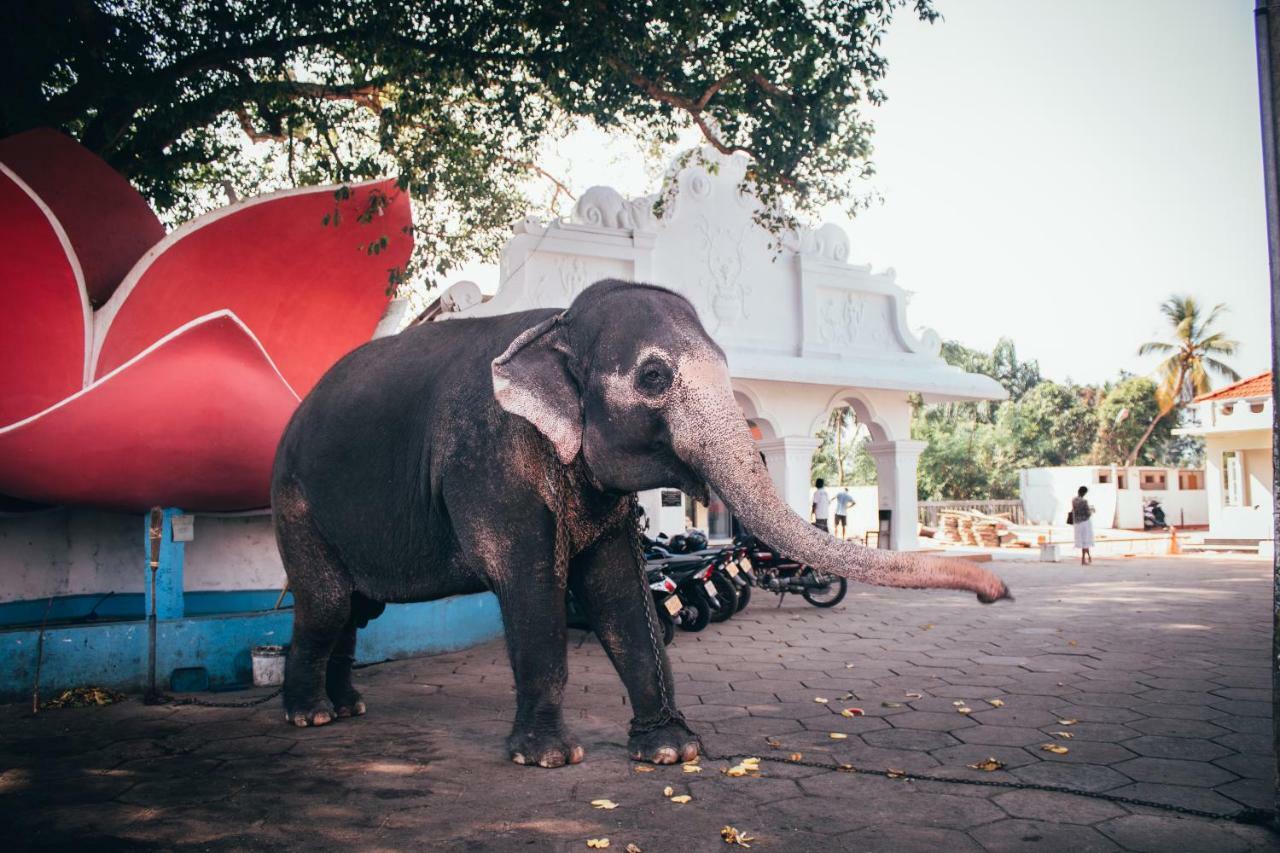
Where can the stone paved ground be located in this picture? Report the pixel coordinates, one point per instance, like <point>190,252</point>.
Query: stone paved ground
<point>1162,662</point>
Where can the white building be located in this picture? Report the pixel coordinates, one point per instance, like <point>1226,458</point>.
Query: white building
<point>1116,492</point>
<point>1236,424</point>
<point>804,329</point>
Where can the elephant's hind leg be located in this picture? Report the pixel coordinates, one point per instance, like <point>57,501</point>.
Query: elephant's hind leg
<point>322,621</point>
<point>347,701</point>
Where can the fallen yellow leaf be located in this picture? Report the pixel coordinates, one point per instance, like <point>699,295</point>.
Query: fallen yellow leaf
<point>853,712</point>
<point>926,626</point>
<point>894,773</point>
<point>996,703</point>
<point>958,703</point>
<point>795,756</point>
<point>890,704</point>
<point>847,768</point>
<point>692,768</point>
<point>604,804</point>
<point>668,791</point>
<point>1054,748</point>
<point>774,742</point>
<point>965,709</point>
<point>682,799</point>
<point>1062,735</point>
<point>838,736</point>
<point>989,765</point>
<point>598,843</point>
<point>1067,722</point>
<point>820,700</point>
<point>915,695</point>
<point>751,763</point>
<point>733,835</point>
<point>633,848</point>
<point>848,666</point>
<point>643,768</point>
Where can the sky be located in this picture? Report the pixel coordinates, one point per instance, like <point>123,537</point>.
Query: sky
<point>1051,172</point>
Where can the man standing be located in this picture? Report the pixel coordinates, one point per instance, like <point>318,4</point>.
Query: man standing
<point>821,505</point>
<point>844,500</point>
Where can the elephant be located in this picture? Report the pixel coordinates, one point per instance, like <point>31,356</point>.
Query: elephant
<point>503,453</point>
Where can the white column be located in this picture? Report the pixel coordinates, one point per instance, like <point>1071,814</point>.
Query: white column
<point>789,459</point>
<point>896,475</point>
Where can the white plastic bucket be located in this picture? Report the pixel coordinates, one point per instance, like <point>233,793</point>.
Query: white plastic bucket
<point>268,665</point>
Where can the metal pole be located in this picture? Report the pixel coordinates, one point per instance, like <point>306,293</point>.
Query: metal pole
<point>1267,30</point>
<point>156,532</point>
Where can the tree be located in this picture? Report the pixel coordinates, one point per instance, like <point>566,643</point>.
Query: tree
<point>842,458</point>
<point>1124,409</point>
<point>1051,425</point>
<point>1184,374</point>
<point>455,97</point>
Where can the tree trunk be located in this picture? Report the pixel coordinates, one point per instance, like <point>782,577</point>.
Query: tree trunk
<point>1177,391</point>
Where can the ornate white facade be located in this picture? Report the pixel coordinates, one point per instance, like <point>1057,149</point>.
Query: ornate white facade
<point>803,328</point>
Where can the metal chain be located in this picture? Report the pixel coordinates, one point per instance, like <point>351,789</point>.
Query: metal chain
<point>166,699</point>
<point>669,712</point>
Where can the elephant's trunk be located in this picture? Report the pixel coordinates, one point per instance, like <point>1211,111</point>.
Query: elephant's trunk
<point>724,454</point>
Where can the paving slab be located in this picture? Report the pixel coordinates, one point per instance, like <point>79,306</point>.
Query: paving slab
<point>1157,711</point>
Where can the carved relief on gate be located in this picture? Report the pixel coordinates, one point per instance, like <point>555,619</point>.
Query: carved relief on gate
<point>555,279</point>
<point>857,320</point>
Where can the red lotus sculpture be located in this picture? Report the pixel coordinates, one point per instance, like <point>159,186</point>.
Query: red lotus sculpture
<point>176,389</point>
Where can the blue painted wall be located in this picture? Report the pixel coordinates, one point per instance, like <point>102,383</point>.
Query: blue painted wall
<point>114,654</point>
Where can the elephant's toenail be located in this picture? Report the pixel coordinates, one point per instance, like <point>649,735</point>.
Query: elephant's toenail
<point>576,754</point>
<point>688,752</point>
<point>666,755</point>
<point>359,709</point>
<point>518,758</point>
<point>300,722</point>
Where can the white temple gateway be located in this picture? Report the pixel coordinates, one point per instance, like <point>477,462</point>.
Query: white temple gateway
<point>804,330</point>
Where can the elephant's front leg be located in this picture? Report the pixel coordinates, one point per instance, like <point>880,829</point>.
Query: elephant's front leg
<point>532,599</point>
<point>608,580</point>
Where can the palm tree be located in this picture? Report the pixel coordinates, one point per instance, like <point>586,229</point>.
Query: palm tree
<point>1184,374</point>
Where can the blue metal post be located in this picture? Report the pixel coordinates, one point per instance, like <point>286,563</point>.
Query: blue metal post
<point>169,603</point>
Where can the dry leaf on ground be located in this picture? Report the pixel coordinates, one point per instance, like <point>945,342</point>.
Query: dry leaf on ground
<point>692,768</point>
<point>681,799</point>
<point>604,804</point>
<point>853,712</point>
<point>1063,735</point>
<point>1054,748</point>
<point>1067,722</point>
<point>597,843</point>
<point>895,773</point>
<point>774,742</point>
<point>633,848</point>
<point>848,666</point>
<point>996,703</point>
<point>820,700</point>
<point>668,791</point>
<point>990,765</point>
<point>964,709</point>
<point>915,695</point>
<point>838,736</point>
<point>890,704</point>
<point>733,835</point>
<point>795,756</point>
<point>847,768</point>
<point>643,768</point>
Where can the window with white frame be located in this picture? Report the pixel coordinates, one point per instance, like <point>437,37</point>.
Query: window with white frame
<point>1232,479</point>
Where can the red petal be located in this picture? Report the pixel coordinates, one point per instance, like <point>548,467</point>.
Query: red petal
<point>193,422</point>
<point>44,318</point>
<point>107,222</point>
<point>309,292</point>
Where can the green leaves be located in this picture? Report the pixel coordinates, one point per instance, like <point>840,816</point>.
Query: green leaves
<point>455,98</point>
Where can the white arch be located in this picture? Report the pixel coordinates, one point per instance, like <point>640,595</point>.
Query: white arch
<point>751,407</point>
<point>862,407</point>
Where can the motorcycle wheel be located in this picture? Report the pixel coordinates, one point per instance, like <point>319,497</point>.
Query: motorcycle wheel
<point>727,595</point>
<point>701,617</point>
<point>744,595</point>
<point>830,595</point>
<point>667,627</point>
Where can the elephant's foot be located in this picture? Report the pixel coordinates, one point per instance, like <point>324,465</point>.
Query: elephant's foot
<point>314,712</point>
<point>666,744</point>
<point>347,702</point>
<point>544,750</point>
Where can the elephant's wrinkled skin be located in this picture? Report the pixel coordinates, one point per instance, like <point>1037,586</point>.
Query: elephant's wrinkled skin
<point>427,464</point>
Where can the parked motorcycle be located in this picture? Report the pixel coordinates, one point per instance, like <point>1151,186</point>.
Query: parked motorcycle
<point>1153,515</point>
<point>698,594</point>
<point>776,573</point>
<point>732,590</point>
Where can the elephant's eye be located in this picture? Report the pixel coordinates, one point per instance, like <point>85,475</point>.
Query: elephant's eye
<point>654,377</point>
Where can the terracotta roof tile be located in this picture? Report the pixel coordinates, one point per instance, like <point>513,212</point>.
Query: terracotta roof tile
<point>1254,386</point>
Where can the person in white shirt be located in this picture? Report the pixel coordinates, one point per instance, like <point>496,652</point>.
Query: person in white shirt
<point>821,505</point>
<point>844,500</point>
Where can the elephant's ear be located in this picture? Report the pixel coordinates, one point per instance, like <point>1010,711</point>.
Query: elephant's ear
<point>532,379</point>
